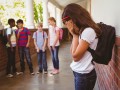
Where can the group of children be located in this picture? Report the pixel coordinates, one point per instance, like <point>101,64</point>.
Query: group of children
<point>21,38</point>
<point>84,32</point>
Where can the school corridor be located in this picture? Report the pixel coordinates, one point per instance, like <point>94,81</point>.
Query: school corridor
<point>62,81</point>
<point>108,76</point>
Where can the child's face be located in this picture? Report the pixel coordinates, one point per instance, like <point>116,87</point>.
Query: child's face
<point>20,25</point>
<point>52,23</point>
<point>39,28</point>
<point>12,24</point>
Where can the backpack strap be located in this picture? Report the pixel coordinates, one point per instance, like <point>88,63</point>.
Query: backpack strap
<point>92,53</point>
<point>43,35</point>
<point>36,35</point>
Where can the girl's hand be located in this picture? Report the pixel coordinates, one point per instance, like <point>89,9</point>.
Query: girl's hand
<point>53,47</point>
<point>69,25</point>
<point>73,29</point>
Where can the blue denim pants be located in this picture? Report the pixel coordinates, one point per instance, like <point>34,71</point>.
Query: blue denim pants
<point>54,55</point>
<point>42,61</point>
<point>85,81</point>
<point>24,51</point>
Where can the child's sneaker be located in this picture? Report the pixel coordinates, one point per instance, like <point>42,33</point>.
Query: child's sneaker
<point>45,72</point>
<point>38,72</point>
<point>32,73</point>
<point>10,75</point>
<point>55,72</point>
<point>17,73</point>
<point>21,73</point>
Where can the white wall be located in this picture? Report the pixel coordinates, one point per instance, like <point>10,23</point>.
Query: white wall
<point>83,4</point>
<point>107,11</point>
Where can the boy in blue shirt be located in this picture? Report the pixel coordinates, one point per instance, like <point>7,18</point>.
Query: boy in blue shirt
<point>40,42</point>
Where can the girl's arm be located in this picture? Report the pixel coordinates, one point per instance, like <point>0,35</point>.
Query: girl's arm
<point>48,43</point>
<point>79,47</point>
<point>57,37</point>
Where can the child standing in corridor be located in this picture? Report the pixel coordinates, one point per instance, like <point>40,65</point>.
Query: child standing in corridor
<point>40,42</point>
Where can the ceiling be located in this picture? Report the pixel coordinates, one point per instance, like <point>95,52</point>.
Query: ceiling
<point>63,3</point>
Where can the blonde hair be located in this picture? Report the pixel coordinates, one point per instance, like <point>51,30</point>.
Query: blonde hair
<point>52,19</point>
<point>40,24</point>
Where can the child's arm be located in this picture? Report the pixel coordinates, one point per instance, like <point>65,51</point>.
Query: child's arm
<point>36,47</point>
<point>57,37</point>
<point>45,41</point>
<point>35,44</point>
<point>48,43</point>
<point>29,38</point>
<point>79,47</point>
<point>8,38</point>
<point>28,43</point>
<point>18,34</point>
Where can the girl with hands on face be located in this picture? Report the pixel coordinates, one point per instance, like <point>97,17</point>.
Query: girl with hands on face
<point>84,32</point>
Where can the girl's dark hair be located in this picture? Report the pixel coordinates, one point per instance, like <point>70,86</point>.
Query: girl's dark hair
<point>11,20</point>
<point>19,21</point>
<point>80,17</point>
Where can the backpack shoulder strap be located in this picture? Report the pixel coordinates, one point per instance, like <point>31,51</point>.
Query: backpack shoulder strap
<point>36,35</point>
<point>43,35</point>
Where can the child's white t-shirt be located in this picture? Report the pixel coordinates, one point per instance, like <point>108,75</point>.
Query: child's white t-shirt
<point>11,31</point>
<point>52,34</point>
<point>84,65</point>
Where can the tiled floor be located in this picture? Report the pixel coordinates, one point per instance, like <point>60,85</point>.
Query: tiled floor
<point>62,81</point>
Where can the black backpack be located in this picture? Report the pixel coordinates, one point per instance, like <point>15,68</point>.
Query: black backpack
<point>4,37</point>
<point>106,40</point>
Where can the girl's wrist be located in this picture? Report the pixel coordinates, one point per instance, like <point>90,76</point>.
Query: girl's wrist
<point>74,35</point>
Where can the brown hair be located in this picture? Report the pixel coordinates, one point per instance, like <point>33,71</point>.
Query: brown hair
<point>80,17</point>
<point>52,19</point>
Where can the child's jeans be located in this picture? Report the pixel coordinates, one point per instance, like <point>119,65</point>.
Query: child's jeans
<point>11,68</point>
<point>42,61</point>
<point>85,81</point>
<point>54,55</point>
<point>24,51</point>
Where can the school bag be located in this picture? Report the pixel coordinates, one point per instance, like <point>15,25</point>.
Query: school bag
<point>61,33</point>
<point>4,37</point>
<point>103,52</point>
